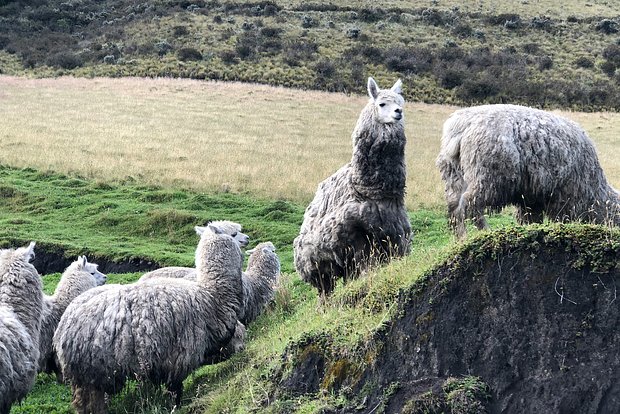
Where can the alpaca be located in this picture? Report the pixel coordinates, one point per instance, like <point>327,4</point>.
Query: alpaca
<point>21,302</point>
<point>75,280</point>
<point>497,155</point>
<point>357,217</point>
<point>228,227</point>
<point>150,330</point>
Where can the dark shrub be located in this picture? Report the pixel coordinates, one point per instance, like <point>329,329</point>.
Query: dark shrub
<point>608,68</point>
<point>299,50</point>
<point>325,68</point>
<point>584,62</point>
<point>531,48</point>
<point>271,31</point>
<point>189,53</point>
<point>229,57</point>
<point>4,41</point>
<point>462,29</point>
<point>371,15</point>
<point>451,78</point>
<point>612,54</point>
<point>436,17</point>
<point>501,19</point>
<point>163,47</point>
<point>270,10</point>
<point>541,23</point>
<point>607,26</point>
<point>408,60</point>
<point>545,63</point>
<point>308,22</point>
<point>353,32</point>
<point>65,60</point>
<point>477,90</point>
<point>370,53</point>
<point>180,31</point>
<point>246,45</point>
<point>450,53</point>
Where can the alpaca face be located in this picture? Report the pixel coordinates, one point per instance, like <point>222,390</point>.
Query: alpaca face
<point>389,108</point>
<point>388,102</point>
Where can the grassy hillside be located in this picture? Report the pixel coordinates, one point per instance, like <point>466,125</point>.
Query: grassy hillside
<point>274,143</point>
<point>459,52</point>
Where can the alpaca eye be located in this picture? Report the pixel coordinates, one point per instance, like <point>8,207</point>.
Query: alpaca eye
<point>233,235</point>
<point>381,105</point>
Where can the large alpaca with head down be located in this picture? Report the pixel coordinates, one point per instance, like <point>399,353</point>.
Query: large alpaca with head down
<point>358,216</point>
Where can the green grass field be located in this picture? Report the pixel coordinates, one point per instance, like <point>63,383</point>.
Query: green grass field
<point>124,168</point>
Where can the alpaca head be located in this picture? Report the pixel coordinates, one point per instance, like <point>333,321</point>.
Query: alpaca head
<point>231,228</point>
<point>91,268</point>
<point>388,103</point>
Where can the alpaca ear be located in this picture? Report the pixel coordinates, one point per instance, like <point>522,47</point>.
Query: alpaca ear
<point>398,87</point>
<point>214,229</point>
<point>373,89</point>
<point>82,261</point>
<point>199,230</point>
<point>30,251</point>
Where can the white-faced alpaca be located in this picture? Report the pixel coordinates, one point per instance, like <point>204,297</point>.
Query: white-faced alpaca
<point>497,155</point>
<point>21,301</point>
<point>228,227</point>
<point>358,216</point>
<point>79,277</point>
<point>152,331</point>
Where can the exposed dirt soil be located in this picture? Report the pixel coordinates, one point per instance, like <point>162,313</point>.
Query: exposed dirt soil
<point>535,316</point>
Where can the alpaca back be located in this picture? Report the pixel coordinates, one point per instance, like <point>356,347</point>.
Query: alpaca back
<point>522,153</point>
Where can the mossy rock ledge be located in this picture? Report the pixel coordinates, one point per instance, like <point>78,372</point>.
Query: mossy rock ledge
<point>518,320</point>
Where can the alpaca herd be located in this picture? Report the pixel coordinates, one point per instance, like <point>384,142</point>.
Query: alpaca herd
<point>95,336</point>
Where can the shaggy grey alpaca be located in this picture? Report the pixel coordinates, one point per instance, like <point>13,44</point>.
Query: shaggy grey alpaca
<point>259,281</point>
<point>358,216</point>
<point>151,331</point>
<point>21,301</point>
<point>497,155</point>
<point>75,280</point>
<point>228,227</point>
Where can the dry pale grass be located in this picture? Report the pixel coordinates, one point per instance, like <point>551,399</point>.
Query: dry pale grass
<point>524,8</point>
<point>273,142</point>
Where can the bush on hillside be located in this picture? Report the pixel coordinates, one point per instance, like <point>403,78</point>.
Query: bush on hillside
<point>189,54</point>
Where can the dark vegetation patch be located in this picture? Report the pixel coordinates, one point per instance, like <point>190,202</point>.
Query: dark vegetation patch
<point>515,320</point>
<point>326,46</point>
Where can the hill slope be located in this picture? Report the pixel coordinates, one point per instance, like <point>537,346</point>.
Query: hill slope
<point>517,320</point>
<point>539,53</point>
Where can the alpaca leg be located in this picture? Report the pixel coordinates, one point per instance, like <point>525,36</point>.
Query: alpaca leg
<point>176,389</point>
<point>526,215</point>
<point>88,401</point>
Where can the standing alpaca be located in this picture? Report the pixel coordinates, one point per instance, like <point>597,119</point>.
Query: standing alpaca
<point>21,301</point>
<point>150,330</point>
<point>75,280</point>
<point>497,155</point>
<point>358,216</point>
<point>229,227</point>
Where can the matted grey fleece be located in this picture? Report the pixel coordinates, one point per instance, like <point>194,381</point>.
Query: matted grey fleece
<point>357,217</point>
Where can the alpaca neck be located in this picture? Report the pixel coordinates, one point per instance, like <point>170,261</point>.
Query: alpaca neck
<point>378,161</point>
